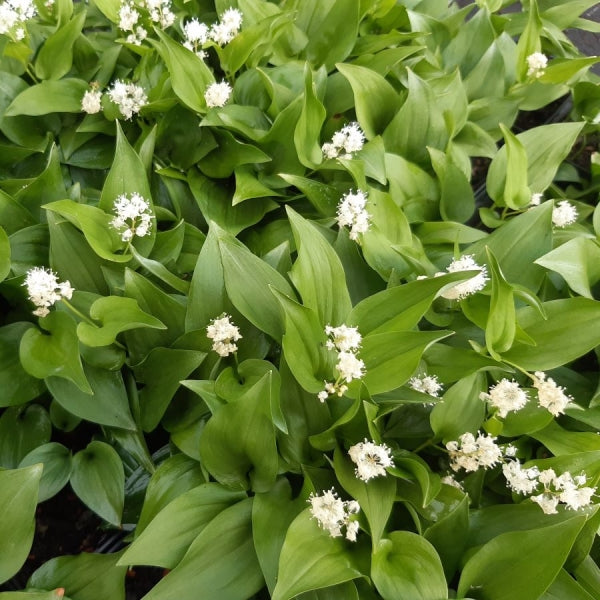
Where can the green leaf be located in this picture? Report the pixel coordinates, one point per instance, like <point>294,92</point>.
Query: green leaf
<point>18,497</point>
<point>108,405</point>
<point>99,480</point>
<point>17,385</point>
<point>529,42</point>
<point>22,429</point>
<point>168,536</point>
<point>238,445</point>
<point>311,559</point>
<point>55,57</point>
<point>57,467</point>
<point>47,97</point>
<point>116,314</point>
<point>55,353</point>
<point>322,196</point>
<point>376,498</point>
<point>190,75</point>
<point>318,273</point>
<point>525,574</point>
<point>375,100</point>
<point>57,594</point>
<point>206,569</point>
<point>407,566</point>
<point>569,331</point>
<point>308,128</point>
<point>4,254</point>
<point>83,577</point>
<point>564,586</point>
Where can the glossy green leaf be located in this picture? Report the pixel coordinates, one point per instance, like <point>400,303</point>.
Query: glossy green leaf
<point>115,315</point>
<point>311,559</point>
<point>407,566</point>
<point>564,586</point>
<point>57,467</point>
<point>168,536</point>
<point>47,97</point>
<point>57,594</point>
<point>526,574</point>
<point>4,254</point>
<point>55,353</point>
<point>98,479</point>
<point>85,576</point>
<point>308,128</point>
<point>206,568</point>
<point>22,429</point>
<point>18,495</point>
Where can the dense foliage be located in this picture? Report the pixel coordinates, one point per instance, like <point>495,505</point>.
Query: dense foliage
<point>319,247</point>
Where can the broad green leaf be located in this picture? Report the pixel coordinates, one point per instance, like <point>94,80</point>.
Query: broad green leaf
<point>115,315</point>
<point>55,353</point>
<point>57,594</point>
<point>57,467</point>
<point>376,497</point>
<point>247,186</point>
<point>22,429</point>
<point>418,471</point>
<point>18,496</point>
<point>564,586</point>
<point>4,254</point>
<point>451,363</point>
<point>98,479</point>
<point>461,409</point>
<point>206,569</point>
<point>318,273</point>
<point>238,445</point>
<point>375,100</point>
<point>83,577</point>
<point>529,42</point>
<point>322,196</point>
<point>560,441</point>
<point>247,280</point>
<point>569,331</point>
<point>17,385</point>
<point>347,410</point>
<point>190,75</point>
<point>577,261</point>
<point>47,97</point>
<point>105,403</point>
<point>306,134</point>
<point>525,574</point>
<point>311,559</point>
<point>55,57</point>
<point>168,536</point>
<point>407,566</point>
<point>561,70</point>
<point>391,358</point>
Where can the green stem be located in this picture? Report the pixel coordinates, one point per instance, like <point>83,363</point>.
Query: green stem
<point>78,313</point>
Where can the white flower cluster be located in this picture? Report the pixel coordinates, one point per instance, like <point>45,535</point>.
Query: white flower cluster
<point>427,384</point>
<point>371,459</point>
<point>133,216</point>
<point>217,94</point>
<point>332,514</point>
<point>130,98</point>
<point>536,63</point>
<point>345,142</point>
<point>563,214</point>
<point>564,488</point>
<point>351,213</point>
<point>470,452</point>
<point>465,288</point>
<point>158,11</point>
<point>346,341</point>
<point>224,334</point>
<point>44,289</point>
<point>91,103</point>
<point>13,15</point>
<point>198,34</point>
<point>505,396</point>
<point>550,395</point>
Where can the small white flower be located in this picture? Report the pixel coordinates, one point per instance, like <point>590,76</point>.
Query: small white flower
<point>132,216</point>
<point>128,17</point>
<point>217,94</point>
<point>471,286</point>
<point>536,63</point>
<point>345,142</point>
<point>224,334</point>
<point>547,502</point>
<point>196,34</point>
<point>427,384</point>
<point>130,98</point>
<point>351,212</point>
<point>506,396</point>
<point>470,453</point>
<point>349,367</point>
<point>44,289</point>
<point>563,214</point>
<point>371,460</point>
<point>536,199</point>
<point>137,37</point>
<point>332,514</point>
<point>91,102</point>
<point>230,23</point>
<point>343,338</point>
<point>550,395</point>
<point>522,481</point>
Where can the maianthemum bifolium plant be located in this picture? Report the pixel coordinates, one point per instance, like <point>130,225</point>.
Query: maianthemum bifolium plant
<point>252,226</point>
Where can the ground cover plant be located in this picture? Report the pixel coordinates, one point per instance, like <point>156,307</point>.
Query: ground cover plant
<point>301,297</point>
